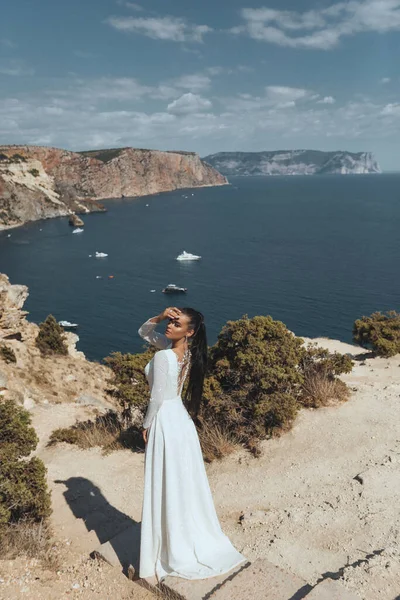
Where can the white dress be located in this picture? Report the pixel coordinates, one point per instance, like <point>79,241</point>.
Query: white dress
<point>180,535</point>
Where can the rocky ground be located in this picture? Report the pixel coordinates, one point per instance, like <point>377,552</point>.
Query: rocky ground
<point>321,500</point>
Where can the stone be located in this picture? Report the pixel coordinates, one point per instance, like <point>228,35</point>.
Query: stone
<point>329,589</point>
<point>199,588</point>
<point>262,580</point>
<point>122,550</point>
<point>75,221</point>
<point>3,381</point>
<point>88,400</point>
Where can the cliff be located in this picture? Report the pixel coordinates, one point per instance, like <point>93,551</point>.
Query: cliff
<point>293,162</point>
<point>37,182</point>
<point>33,379</point>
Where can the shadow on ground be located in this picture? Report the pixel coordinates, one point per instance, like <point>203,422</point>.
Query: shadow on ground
<point>87,502</point>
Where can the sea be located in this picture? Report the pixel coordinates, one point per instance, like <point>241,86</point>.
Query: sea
<point>315,252</point>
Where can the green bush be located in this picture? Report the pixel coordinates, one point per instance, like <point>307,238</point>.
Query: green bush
<point>129,384</point>
<point>379,332</point>
<point>51,339</point>
<point>17,158</point>
<point>259,374</point>
<point>23,487</point>
<point>7,354</point>
<point>254,379</point>
<point>34,172</point>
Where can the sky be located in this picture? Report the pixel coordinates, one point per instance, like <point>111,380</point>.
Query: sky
<point>209,76</point>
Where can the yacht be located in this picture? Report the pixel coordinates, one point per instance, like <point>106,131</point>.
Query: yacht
<point>78,230</point>
<point>174,289</point>
<point>68,325</point>
<point>101,255</point>
<point>187,256</point>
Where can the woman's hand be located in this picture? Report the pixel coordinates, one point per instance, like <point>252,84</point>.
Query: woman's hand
<point>171,312</point>
<point>144,434</point>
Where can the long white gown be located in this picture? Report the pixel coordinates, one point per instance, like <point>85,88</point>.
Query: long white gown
<point>180,535</point>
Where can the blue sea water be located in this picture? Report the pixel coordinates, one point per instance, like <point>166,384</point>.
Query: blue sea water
<point>314,252</point>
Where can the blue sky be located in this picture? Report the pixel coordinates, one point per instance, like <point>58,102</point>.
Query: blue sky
<point>205,76</point>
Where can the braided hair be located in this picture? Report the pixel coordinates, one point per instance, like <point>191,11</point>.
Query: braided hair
<point>198,363</point>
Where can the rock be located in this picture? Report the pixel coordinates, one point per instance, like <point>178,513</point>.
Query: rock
<point>75,221</point>
<point>261,580</point>
<point>88,400</point>
<point>251,517</point>
<point>12,299</point>
<point>71,339</point>
<point>14,336</point>
<point>28,403</point>
<point>3,381</point>
<point>69,378</point>
<point>331,590</point>
<point>70,182</point>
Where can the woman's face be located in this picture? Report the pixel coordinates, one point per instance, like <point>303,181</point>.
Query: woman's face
<point>178,328</point>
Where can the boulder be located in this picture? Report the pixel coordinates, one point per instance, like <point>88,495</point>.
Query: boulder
<point>75,221</point>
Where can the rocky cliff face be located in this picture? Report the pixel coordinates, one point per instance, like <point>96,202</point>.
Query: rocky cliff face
<point>38,182</point>
<point>293,162</point>
<point>33,379</point>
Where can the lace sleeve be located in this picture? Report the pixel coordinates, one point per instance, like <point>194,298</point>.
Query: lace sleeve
<point>148,333</point>
<point>160,376</point>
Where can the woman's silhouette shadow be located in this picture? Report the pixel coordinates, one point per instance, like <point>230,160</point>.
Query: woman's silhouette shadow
<point>110,524</point>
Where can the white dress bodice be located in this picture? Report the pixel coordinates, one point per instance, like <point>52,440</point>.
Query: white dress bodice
<point>162,371</point>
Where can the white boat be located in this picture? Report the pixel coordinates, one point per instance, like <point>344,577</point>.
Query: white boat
<point>101,254</point>
<point>68,325</point>
<point>78,230</point>
<point>187,256</point>
<point>152,291</point>
<point>172,289</point>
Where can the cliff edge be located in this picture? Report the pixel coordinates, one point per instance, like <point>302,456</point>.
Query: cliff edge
<point>37,182</point>
<point>294,162</point>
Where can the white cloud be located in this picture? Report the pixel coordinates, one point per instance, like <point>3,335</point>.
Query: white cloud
<point>108,112</point>
<point>194,82</point>
<point>320,28</point>
<point>391,109</point>
<point>385,80</point>
<point>133,6</point>
<point>286,94</point>
<point>15,68</point>
<point>189,103</point>
<point>120,89</point>
<point>174,29</point>
<point>327,100</point>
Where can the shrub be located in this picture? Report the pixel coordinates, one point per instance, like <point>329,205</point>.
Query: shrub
<point>105,431</point>
<point>34,172</point>
<point>260,374</point>
<point>23,487</point>
<point>17,158</point>
<point>253,378</point>
<point>7,354</point>
<point>129,382</point>
<point>51,339</point>
<point>380,331</point>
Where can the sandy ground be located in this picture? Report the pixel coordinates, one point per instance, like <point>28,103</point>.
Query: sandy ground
<point>324,499</point>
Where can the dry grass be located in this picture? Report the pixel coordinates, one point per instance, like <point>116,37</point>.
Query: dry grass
<point>105,431</point>
<point>29,539</point>
<point>216,442</point>
<point>319,389</point>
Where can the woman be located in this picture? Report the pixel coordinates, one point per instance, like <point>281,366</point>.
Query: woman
<point>181,535</point>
